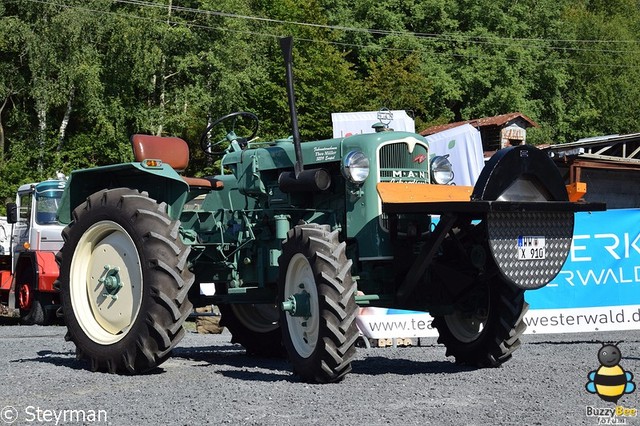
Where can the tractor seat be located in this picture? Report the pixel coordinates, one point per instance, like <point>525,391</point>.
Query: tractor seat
<point>174,152</point>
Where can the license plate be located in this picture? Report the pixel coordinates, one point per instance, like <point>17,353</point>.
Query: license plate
<point>531,248</point>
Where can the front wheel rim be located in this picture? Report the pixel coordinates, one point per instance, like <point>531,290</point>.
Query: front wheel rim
<point>106,283</point>
<point>303,331</point>
<point>24,297</point>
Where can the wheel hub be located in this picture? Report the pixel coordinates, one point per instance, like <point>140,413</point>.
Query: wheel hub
<point>111,281</point>
<point>299,304</point>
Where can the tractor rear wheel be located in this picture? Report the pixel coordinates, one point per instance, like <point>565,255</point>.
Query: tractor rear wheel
<point>318,295</point>
<point>486,326</point>
<point>256,327</point>
<point>124,281</point>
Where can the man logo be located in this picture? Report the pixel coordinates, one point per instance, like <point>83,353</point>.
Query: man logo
<point>420,159</point>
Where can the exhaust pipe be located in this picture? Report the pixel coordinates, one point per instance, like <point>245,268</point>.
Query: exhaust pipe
<point>300,180</point>
<point>286,44</point>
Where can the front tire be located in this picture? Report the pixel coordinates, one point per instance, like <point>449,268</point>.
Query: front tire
<point>124,281</point>
<point>319,338</point>
<point>30,305</point>
<point>486,326</point>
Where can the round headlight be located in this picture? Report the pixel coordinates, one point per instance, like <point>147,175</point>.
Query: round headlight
<point>441,169</point>
<point>355,167</point>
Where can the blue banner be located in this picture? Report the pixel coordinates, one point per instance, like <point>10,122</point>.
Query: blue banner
<point>603,267</point>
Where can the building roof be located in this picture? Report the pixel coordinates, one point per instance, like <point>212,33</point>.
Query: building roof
<point>498,120</point>
<point>622,149</point>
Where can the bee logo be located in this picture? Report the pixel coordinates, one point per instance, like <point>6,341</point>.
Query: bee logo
<point>610,381</point>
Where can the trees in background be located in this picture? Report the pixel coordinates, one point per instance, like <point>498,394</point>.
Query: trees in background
<point>77,78</point>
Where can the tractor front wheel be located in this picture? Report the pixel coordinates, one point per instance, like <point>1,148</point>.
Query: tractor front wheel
<point>317,295</point>
<point>486,325</point>
<point>124,281</point>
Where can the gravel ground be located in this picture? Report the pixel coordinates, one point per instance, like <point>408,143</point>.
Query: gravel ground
<point>210,381</point>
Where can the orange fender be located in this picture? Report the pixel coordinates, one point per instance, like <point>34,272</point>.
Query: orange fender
<point>47,270</point>
<point>5,280</point>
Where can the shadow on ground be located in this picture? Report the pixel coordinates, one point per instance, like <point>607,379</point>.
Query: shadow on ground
<point>248,367</point>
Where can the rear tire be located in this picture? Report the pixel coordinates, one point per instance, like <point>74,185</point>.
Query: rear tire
<point>122,236</point>
<point>313,264</point>
<point>486,326</point>
<point>256,327</point>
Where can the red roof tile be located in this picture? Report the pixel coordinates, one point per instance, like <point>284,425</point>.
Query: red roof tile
<point>498,120</point>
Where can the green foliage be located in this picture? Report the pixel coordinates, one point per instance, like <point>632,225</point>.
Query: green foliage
<point>77,80</point>
<point>604,86</point>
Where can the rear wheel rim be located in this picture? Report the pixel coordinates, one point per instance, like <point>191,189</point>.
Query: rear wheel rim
<point>466,324</point>
<point>464,327</point>
<point>106,316</point>
<point>261,318</point>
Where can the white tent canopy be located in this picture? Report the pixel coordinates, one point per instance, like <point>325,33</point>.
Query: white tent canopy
<point>464,146</point>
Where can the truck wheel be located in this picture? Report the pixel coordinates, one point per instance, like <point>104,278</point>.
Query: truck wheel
<point>30,306</point>
<point>486,326</point>
<point>318,295</point>
<point>124,281</point>
<point>255,327</point>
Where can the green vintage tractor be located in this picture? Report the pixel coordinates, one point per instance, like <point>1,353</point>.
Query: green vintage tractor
<point>291,238</point>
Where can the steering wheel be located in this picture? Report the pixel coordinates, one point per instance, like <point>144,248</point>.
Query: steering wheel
<point>245,121</point>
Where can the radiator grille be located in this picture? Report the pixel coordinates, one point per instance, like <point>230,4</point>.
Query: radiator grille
<point>398,164</point>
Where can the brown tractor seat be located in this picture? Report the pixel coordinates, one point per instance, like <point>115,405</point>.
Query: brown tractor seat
<point>174,152</point>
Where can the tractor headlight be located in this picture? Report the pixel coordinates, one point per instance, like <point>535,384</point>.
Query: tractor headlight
<point>355,167</point>
<point>441,169</point>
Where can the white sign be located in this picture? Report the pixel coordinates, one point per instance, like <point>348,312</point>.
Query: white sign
<point>347,124</point>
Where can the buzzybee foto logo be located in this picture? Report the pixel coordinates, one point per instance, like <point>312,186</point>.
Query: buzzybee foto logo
<point>610,382</point>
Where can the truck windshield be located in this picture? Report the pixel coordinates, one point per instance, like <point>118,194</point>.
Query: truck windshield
<point>47,203</point>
